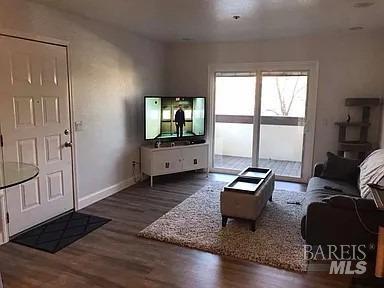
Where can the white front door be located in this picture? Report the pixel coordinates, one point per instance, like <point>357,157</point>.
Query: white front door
<point>35,123</point>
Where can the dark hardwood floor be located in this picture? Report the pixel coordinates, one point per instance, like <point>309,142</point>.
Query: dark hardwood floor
<point>113,256</point>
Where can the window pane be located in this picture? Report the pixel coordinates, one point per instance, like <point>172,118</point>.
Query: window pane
<point>235,95</point>
<point>233,145</point>
<point>166,114</point>
<point>283,100</point>
<point>284,96</point>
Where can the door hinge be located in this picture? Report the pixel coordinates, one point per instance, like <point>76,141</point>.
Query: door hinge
<point>7,218</point>
<point>1,141</point>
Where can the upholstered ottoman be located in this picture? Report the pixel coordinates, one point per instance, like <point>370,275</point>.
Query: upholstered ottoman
<point>245,198</point>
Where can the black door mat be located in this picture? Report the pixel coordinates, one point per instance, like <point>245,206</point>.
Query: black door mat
<point>56,234</point>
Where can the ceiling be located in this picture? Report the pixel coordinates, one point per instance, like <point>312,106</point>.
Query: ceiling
<point>212,20</point>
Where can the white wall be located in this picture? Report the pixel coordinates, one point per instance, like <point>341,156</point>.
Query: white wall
<point>111,72</point>
<point>351,65</point>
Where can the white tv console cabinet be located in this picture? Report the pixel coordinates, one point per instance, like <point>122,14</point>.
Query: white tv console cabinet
<point>168,160</point>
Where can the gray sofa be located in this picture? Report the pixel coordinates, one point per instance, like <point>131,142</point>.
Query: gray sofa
<point>330,214</point>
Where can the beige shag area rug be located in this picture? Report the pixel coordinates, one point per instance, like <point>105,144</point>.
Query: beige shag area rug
<point>196,223</point>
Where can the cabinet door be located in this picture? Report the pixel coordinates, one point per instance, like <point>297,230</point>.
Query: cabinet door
<point>195,157</point>
<point>166,161</point>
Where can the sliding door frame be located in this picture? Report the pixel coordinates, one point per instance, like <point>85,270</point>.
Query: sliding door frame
<point>212,70</point>
<point>312,67</point>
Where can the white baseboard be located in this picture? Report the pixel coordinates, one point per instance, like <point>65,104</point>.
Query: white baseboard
<point>104,193</point>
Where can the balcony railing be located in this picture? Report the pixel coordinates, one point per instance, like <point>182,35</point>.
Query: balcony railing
<point>265,120</point>
<point>281,138</point>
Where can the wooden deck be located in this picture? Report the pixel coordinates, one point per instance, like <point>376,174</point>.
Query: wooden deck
<point>281,168</point>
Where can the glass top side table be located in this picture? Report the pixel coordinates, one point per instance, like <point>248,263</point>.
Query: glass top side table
<point>15,173</point>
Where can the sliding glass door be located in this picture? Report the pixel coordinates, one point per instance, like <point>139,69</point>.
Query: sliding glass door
<point>234,112</point>
<point>282,122</point>
<point>263,115</point>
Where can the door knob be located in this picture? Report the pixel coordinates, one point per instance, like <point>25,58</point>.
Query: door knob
<point>67,144</point>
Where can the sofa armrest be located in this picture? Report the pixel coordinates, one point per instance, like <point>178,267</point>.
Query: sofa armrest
<point>318,169</point>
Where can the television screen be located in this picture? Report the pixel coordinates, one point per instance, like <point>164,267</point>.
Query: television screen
<point>174,117</point>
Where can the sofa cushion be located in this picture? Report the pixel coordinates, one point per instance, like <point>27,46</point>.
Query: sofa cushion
<point>317,183</point>
<point>340,168</point>
<point>317,193</point>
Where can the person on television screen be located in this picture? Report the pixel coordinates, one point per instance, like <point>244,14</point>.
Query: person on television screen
<point>179,121</point>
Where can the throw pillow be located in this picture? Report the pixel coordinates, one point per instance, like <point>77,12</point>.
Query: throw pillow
<point>340,168</point>
<point>372,171</point>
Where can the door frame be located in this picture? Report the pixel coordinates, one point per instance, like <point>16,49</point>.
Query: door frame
<point>310,127</point>
<point>66,44</point>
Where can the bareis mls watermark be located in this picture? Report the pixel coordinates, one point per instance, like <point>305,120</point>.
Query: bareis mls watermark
<point>338,259</point>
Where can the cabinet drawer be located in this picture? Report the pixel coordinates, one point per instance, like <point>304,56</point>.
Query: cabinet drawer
<point>166,161</point>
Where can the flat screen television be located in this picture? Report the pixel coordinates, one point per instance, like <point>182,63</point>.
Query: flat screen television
<point>174,117</point>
